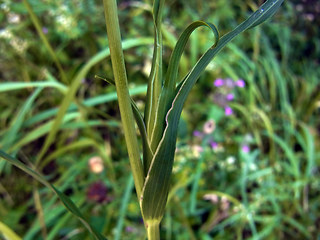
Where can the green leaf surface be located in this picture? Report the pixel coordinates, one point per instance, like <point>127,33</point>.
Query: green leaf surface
<point>67,202</point>
<point>156,187</point>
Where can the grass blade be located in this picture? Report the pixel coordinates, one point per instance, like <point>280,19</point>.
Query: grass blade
<point>8,233</point>
<point>11,135</point>
<point>123,209</point>
<point>294,162</point>
<point>168,90</point>
<point>64,199</point>
<point>310,151</point>
<point>105,98</point>
<point>40,131</point>
<point>155,78</point>
<point>10,86</point>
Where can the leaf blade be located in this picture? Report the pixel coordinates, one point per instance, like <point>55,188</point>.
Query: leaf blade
<point>168,89</point>
<point>156,187</point>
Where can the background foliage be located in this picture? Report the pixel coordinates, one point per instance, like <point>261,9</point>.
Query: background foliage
<point>247,161</point>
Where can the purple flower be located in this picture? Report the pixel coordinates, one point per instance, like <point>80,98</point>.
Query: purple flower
<point>45,30</point>
<point>197,133</point>
<point>129,229</point>
<point>240,83</point>
<point>245,148</point>
<point>228,111</point>
<point>229,83</point>
<point>213,145</point>
<point>230,97</point>
<point>218,82</point>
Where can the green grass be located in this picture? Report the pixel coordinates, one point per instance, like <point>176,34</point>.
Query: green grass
<point>271,192</point>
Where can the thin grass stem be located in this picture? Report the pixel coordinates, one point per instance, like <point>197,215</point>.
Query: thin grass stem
<point>120,77</point>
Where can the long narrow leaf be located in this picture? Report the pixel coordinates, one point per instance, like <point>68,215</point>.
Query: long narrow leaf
<point>124,206</point>
<point>155,78</point>
<point>8,233</point>
<point>10,86</point>
<point>168,90</point>
<point>156,186</point>
<point>64,199</point>
<point>11,135</point>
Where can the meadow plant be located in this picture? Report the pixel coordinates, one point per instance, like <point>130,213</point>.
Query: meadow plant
<point>166,95</point>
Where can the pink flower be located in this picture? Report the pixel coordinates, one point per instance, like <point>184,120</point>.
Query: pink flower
<point>228,111</point>
<point>197,133</point>
<point>218,82</point>
<point>245,148</point>
<point>230,97</point>
<point>96,164</point>
<point>209,126</point>
<point>214,145</point>
<point>240,83</point>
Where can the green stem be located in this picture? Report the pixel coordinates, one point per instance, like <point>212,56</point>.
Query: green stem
<point>120,77</point>
<point>153,231</point>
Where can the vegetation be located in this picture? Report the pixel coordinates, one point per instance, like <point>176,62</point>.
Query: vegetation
<point>247,157</point>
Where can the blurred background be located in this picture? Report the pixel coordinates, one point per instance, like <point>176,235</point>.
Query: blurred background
<point>248,152</point>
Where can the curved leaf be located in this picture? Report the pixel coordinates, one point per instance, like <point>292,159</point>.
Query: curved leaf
<point>156,187</point>
<point>167,92</point>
